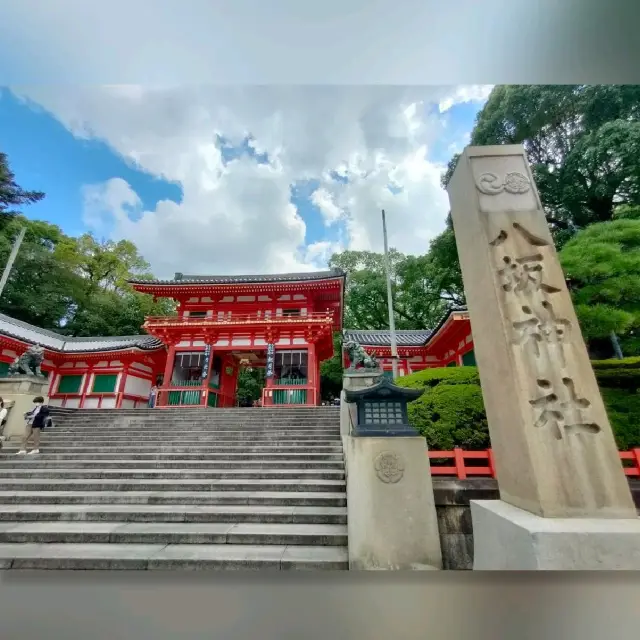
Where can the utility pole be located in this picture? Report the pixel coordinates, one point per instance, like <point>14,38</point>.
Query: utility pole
<point>392,321</point>
<point>12,259</point>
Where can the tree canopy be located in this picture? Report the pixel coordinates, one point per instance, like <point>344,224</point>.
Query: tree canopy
<point>602,265</point>
<point>583,143</point>
<point>74,285</point>
<point>11,194</point>
<point>423,287</point>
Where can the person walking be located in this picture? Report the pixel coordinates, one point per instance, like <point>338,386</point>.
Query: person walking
<point>36,421</point>
<point>3,421</point>
<point>152,397</point>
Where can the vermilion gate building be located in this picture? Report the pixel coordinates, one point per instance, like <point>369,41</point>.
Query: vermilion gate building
<point>284,323</point>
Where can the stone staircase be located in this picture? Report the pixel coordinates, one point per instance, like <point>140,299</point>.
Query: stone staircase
<point>178,489</point>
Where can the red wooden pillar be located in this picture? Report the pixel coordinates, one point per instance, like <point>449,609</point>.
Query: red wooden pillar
<point>85,386</point>
<point>121,385</point>
<point>313,376</point>
<point>163,394</point>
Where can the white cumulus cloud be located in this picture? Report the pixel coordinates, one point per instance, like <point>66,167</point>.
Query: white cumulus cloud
<point>367,146</point>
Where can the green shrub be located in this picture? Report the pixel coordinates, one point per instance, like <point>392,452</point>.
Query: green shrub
<point>429,378</point>
<point>451,415</point>
<point>623,409</point>
<point>618,374</point>
<point>625,363</point>
<point>451,410</point>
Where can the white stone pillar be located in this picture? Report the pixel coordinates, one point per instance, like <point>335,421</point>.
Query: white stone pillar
<point>554,449</point>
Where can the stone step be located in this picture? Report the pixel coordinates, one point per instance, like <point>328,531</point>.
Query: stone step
<point>194,411</point>
<point>188,435</point>
<point>173,533</point>
<point>296,423</point>
<point>182,474</point>
<point>45,463</point>
<point>188,426</point>
<point>67,484</point>
<point>162,557</point>
<point>266,498</point>
<point>187,457</point>
<point>172,513</point>
<point>274,424</point>
<point>185,416</point>
<point>180,449</point>
<point>185,441</point>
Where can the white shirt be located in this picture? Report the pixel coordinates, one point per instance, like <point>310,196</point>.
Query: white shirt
<point>3,413</point>
<point>33,414</point>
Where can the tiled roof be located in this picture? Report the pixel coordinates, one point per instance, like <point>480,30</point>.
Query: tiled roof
<point>405,338</point>
<point>57,342</point>
<point>181,278</point>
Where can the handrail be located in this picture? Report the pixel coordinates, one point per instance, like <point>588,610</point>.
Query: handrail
<point>460,470</point>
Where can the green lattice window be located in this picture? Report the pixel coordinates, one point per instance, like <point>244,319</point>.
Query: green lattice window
<point>4,368</point>
<point>104,383</point>
<point>70,384</point>
<point>469,359</point>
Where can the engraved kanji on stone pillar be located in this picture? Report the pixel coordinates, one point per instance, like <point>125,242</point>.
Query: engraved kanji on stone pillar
<point>554,449</point>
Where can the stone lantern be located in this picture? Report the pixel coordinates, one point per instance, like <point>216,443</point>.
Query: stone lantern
<point>381,409</point>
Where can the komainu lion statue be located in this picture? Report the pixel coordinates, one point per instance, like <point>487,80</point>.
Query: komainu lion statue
<point>28,363</point>
<point>358,357</point>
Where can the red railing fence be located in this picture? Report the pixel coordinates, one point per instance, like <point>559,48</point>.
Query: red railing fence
<point>460,469</point>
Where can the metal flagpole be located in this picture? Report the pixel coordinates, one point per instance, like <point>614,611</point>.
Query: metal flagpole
<point>12,259</point>
<point>392,321</point>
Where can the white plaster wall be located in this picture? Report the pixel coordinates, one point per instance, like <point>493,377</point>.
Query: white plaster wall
<point>142,367</point>
<point>128,404</point>
<point>72,403</point>
<point>137,386</point>
<point>90,403</point>
<point>108,403</point>
<point>56,402</point>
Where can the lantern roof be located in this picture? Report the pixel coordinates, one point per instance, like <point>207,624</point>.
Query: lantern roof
<point>386,389</point>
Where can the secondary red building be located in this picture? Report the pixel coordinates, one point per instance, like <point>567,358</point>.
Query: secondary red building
<point>449,344</point>
<point>284,323</point>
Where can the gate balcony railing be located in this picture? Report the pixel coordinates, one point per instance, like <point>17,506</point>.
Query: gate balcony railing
<point>239,319</point>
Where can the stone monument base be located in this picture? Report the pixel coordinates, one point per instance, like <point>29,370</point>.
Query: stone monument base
<point>508,538</point>
<point>18,393</point>
<point>392,517</point>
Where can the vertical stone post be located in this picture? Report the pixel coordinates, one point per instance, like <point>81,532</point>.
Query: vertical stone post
<point>555,453</point>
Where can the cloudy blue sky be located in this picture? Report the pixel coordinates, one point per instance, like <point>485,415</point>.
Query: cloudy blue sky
<point>226,179</point>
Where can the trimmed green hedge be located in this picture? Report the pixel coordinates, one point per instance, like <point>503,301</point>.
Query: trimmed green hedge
<point>618,374</point>
<point>451,410</point>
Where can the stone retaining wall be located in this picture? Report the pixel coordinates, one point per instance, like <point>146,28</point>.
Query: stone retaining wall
<point>454,515</point>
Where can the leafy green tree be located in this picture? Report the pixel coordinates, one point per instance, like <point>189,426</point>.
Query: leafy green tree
<point>40,289</point>
<point>106,304</point>
<point>583,143</point>
<point>423,286</point>
<point>366,288</point>
<point>331,371</point>
<point>11,194</point>
<point>250,384</point>
<point>602,265</point>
